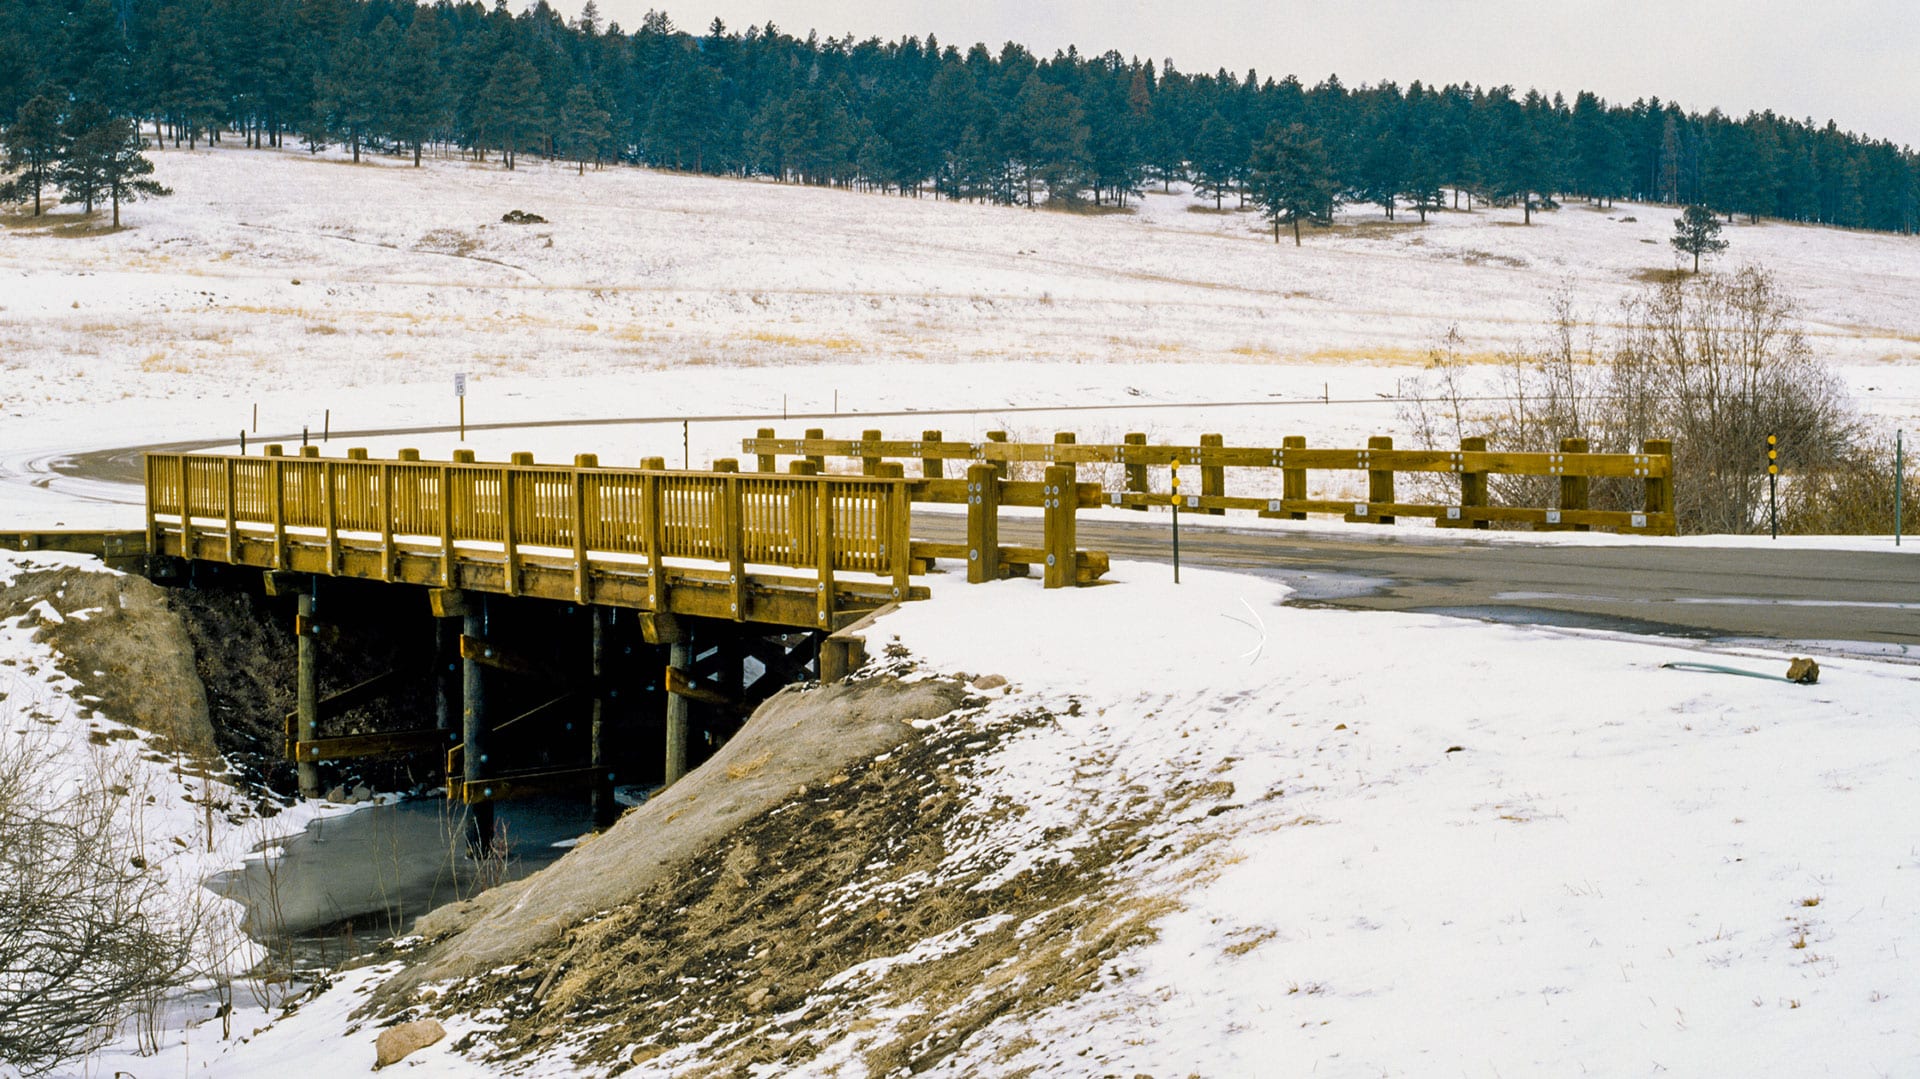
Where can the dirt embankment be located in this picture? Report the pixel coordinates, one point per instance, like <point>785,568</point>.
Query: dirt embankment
<point>124,645</point>
<point>835,864</point>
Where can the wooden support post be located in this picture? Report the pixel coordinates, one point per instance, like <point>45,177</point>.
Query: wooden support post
<point>1473,489</point>
<point>510,566</point>
<point>578,524</point>
<point>765,462</point>
<point>654,464</point>
<point>818,461</point>
<point>1659,488</point>
<point>473,728</point>
<point>824,604</point>
<point>1573,489</point>
<point>1213,478</point>
<point>1380,481</point>
<point>932,468</point>
<point>655,542</point>
<point>1060,504</point>
<point>521,458</point>
<point>233,519</point>
<point>680,657</point>
<point>408,455</point>
<point>277,488</point>
<point>605,809</point>
<point>983,523</point>
<point>1136,474</point>
<point>800,502</point>
<point>999,467</point>
<point>384,477</point>
<point>869,459</point>
<point>1293,480</point>
<point>327,493</point>
<point>463,457</point>
<point>897,537</point>
<point>727,520</point>
<point>186,507</point>
<point>307,687</point>
<point>446,673</point>
<point>357,453</point>
<point>309,450</point>
<point>447,475</point>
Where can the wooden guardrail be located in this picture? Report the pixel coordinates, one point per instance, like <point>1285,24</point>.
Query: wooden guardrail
<point>1472,464</point>
<point>708,544</point>
<point>119,548</point>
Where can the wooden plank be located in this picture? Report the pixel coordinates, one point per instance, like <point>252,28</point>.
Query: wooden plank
<point>379,744</point>
<point>519,784</point>
<point>352,697</point>
<point>233,517</point>
<point>825,604</point>
<point>681,684</point>
<point>1059,527</point>
<point>383,477</point>
<point>492,655</point>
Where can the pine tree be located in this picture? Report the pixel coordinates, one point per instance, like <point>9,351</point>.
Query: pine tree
<point>416,100</point>
<point>123,167</point>
<point>1213,158</point>
<point>583,127</point>
<point>84,145</point>
<point>1293,179</point>
<point>510,102</point>
<point>1697,232</point>
<point>31,147</point>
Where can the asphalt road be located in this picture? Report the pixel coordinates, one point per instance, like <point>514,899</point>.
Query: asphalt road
<point>1869,598</point>
<point>1647,587</point>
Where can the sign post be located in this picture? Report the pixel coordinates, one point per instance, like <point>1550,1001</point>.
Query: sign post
<point>1899,480</point>
<point>460,392</point>
<point>1176,524</point>
<point>1773,484</point>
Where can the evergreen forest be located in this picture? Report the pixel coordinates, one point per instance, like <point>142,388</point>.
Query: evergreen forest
<point>914,117</point>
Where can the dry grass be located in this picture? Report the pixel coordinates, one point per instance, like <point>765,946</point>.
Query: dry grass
<point>1653,276</point>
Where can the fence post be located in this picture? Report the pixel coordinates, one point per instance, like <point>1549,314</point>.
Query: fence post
<point>1473,487</point>
<point>1660,488</point>
<point>983,523</point>
<point>999,467</point>
<point>1066,438</point>
<point>898,535</point>
<point>579,522</point>
<point>1380,481</point>
<point>446,526</point>
<point>1136,473</point>
<point>1213,478</point>
<point>818,461</point>
<point>869,461</point>
<point>766,463</point>
<point>654,540</point>
<point>1060,504</point>
<point>1293,478</point>
<point>1573,489</point>
<point>931,468</point>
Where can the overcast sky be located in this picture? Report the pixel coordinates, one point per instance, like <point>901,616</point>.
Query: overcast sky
<point>1854,61</point>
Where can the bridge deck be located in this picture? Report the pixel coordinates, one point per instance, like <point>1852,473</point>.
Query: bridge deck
<point>801,551</point>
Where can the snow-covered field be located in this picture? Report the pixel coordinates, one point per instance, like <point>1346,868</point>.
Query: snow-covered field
<point>1419,846</point>
<point>1440,847</point>
<point>332,295</point>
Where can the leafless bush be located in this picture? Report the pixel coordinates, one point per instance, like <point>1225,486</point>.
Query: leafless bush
<point>1715,364</point>
<point>89,931</point>
<point>1855,498</point>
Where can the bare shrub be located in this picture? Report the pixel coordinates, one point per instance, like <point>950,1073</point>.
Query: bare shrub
<point>90,934</point>
<point>1715,363</point>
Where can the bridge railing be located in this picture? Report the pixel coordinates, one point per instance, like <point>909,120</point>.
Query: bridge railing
<point>1472,465</point>
<point>261,507</point>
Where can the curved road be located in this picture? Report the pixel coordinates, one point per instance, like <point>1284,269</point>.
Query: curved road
<point>1830,600</point>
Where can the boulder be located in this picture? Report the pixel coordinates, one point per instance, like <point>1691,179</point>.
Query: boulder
<point>395,1044</point>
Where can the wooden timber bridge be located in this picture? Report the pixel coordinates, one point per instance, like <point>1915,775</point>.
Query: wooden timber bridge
<point>702,593</point>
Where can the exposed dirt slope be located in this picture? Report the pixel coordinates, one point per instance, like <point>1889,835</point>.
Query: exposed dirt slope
<point>123,644</point>
<point>794,741</point>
